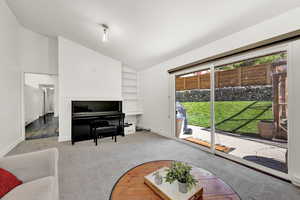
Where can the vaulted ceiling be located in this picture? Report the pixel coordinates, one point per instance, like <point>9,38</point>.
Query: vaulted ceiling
<point>145,32</point>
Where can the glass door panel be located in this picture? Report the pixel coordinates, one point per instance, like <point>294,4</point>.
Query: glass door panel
<point>193,107</point>
<point>251,111</point>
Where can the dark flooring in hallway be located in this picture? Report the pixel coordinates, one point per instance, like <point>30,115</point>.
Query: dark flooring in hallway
<point>38,129</point>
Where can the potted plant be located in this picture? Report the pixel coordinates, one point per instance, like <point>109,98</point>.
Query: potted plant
<point>266,129</point>
<point>181,172</point>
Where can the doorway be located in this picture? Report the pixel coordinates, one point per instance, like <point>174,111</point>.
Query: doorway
<point>40,106</point>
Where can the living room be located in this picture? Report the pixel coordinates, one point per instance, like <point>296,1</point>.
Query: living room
<point>118,66</point>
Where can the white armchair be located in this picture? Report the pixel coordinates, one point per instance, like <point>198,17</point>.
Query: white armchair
<point>39,173</point>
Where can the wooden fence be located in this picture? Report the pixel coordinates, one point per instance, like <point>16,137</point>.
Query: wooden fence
<point>242,76</point>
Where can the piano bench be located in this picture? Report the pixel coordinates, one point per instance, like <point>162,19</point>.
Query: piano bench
<point>110,130</point>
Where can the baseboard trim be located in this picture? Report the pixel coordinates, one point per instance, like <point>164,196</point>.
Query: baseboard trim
<point>10,147</point>
<point>296,180</point>
<point>63,139</point>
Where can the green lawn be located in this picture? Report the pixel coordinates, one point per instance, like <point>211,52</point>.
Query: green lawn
<point>199,114</point>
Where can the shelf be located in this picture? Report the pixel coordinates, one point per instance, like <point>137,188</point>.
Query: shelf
<point>130,99</point>
<point>130,92</point>
<point>132,73</point>
<point>134,86</point>
<point>134,113</point>
<point>135,92</point>
<point>129,79</point>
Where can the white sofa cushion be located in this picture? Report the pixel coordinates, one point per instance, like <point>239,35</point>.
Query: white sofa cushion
<point>40,189</point>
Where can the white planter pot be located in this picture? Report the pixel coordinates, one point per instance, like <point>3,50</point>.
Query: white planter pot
<point>182,187</point>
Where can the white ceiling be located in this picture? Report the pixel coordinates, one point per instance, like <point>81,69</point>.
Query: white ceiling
<point>145,32</point>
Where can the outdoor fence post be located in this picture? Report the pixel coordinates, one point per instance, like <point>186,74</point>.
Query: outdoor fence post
<point>217,79</point>
<point>268,74</point>
<point>239,72</point>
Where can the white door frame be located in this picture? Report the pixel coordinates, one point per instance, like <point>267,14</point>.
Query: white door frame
<point>23,101</point>
<point>212,65</point>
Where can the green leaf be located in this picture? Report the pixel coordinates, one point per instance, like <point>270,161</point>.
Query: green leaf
<point>181,172</point>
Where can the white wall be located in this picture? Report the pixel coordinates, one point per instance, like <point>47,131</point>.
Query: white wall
<point>38,53</point>
<point>10,81</point>
<point>35,80</point>
<point>155,81</point>
<point>21,50</point>
<point>84,74</point>
<point>34,101</point>
<point>50,102</point>
<point>56,98</point>
<point>33,96</point>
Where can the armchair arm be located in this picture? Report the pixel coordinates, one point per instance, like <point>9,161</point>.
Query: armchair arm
<point>31,166</point>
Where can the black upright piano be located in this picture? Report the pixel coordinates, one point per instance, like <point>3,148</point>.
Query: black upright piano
<point>84,113</point>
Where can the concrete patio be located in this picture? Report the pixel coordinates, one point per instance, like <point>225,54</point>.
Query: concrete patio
<point>266,154</point>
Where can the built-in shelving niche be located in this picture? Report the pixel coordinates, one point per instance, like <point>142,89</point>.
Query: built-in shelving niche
<point>131,100</point>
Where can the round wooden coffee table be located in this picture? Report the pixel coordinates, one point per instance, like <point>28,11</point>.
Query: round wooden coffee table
<point>131,185</point>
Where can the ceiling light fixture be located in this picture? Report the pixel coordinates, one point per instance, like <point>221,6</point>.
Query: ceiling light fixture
<point>105,33</point>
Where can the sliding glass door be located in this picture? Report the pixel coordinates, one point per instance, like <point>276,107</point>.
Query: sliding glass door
<point>193,107</point>
<point>251,110</point>
<point>238,109</point>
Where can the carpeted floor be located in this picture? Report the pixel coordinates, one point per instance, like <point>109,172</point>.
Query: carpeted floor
<point>88,172</point>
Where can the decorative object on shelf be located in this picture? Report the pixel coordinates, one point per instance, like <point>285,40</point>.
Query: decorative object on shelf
<point>181,172</point>
<point>158,178</point>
